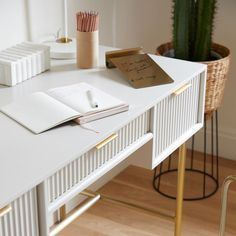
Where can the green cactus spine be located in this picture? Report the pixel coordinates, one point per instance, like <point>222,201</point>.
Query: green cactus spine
<point>182,27</point>
<point>193,25</point>
<point>205,10</point>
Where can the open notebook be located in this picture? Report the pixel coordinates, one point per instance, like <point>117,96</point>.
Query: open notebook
<point>41,111</point>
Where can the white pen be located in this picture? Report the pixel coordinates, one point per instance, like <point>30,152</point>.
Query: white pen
<point>92,99</point>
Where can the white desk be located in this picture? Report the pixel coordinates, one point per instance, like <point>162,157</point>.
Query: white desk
<point>28,160</point>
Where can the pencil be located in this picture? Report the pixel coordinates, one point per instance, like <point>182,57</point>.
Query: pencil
<point>87,21</point>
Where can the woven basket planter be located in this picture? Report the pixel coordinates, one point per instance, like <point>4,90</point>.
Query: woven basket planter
<point>217,71</point>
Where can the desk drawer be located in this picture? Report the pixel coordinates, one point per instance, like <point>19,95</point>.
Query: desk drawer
<point>94,160</point>
<point>21,217</point>
<point>176,115</point>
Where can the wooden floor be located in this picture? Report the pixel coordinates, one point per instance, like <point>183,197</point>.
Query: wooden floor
<point>201,218</point>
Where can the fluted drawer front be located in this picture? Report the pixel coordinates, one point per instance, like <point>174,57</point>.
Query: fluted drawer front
<point>177,114</point>
<point>22,220</point>
<point>95,159</point>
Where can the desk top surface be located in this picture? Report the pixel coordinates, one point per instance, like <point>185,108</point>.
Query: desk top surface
<point>27,159</point>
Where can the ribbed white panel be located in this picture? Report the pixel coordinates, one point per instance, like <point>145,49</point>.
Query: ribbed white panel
<point>178,115</point>
<point>23,219</point>
<point>77,171</point>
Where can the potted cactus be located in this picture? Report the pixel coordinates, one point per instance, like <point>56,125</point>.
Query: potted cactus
<point>192,40</point>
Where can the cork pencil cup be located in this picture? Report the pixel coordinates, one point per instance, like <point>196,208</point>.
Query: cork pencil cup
<point>87,49</point>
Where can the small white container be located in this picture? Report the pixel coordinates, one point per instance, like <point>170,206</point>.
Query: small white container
<point>19,72</point>
<point>22,62</point>
<point>7,72</point>
<point>27,58</point>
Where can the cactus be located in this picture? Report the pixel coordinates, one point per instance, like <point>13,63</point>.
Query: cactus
<point>193,25</point>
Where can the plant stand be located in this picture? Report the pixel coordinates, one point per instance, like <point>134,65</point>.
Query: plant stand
<point>207,173</point>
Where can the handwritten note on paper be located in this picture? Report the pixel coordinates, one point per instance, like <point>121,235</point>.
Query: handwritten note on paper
<point>141,70</point>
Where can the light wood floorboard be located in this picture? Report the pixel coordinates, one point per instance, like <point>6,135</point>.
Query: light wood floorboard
<point>134,184</point>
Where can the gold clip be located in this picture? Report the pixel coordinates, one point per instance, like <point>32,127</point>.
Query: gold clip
<point>121,53</point>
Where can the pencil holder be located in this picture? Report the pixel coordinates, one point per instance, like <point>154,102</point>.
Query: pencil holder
<point>87,49</point>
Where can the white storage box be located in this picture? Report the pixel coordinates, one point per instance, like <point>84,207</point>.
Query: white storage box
<point>22,62</point>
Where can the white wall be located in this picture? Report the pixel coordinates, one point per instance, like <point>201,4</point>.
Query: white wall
<point>143,23</point>
<point>46,17</point>
<point>106,17</point>
<point>12,22</point>
<point>225,33</point>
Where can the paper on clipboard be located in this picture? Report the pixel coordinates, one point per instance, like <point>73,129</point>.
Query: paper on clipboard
<point>141,71</point>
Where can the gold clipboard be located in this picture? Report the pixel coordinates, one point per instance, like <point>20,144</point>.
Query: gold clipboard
<point>141,71</point>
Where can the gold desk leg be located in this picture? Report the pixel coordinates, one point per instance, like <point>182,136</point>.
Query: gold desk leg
<point>62,212</point>
<point>180,189</point>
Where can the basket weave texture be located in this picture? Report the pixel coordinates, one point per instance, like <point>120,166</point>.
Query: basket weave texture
<point>217,72</point>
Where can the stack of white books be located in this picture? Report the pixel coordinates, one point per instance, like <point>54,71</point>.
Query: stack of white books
<point>22,62</point>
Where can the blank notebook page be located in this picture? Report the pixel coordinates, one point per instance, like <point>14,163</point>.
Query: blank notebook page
<point>39,112</point>
<point>76,97</point>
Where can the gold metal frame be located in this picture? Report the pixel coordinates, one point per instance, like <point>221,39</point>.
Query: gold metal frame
<point>65,219</point>
<point>138,207</point>
<point>223,217</point>
<point>180,189</point>
<point>5,210</point>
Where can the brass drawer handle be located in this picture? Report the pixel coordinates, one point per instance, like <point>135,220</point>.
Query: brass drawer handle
<point>181,89</point>
<point>106,141</point>
<point>5,210</point>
